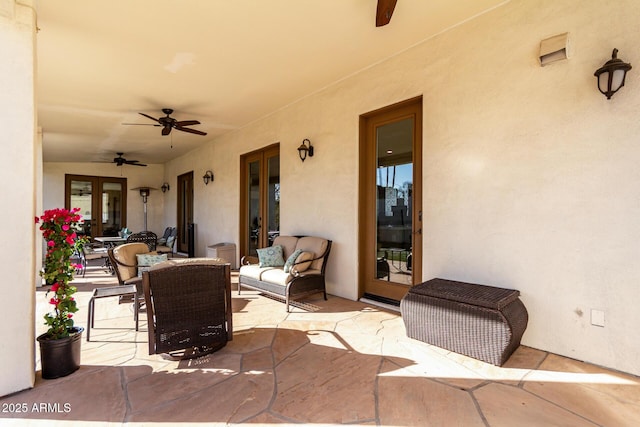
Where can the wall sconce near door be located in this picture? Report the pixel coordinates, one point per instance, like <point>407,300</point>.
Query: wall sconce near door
<point>165,187</point>
<point>207,177</point>
<point>611,75</point>
<point>305,149</point>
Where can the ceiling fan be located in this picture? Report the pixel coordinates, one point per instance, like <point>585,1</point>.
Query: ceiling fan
<point>384,12</point>
<point>119,161</point>
<point>169,123</point>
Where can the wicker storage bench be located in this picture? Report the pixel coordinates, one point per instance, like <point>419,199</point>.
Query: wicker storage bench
<point>483,322</point>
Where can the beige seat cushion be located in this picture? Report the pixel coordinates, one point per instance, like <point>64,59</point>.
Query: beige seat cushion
<point>254,271</point>
<point>126,254</point>
<point>277,276</point>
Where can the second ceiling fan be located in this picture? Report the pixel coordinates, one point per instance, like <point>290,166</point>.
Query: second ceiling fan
<point>168,123</point>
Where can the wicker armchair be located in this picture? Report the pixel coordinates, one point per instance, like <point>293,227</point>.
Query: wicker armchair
<point>188,304</point>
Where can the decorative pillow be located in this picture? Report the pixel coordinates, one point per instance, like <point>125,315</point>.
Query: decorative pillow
<point>291,260</point>
<point>303,262</point>
<point>170,240</point>
<point>145,261</point>
<point>271,256</point>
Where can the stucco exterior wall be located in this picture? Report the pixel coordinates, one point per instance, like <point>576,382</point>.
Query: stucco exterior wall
<point>19,144</point>
<point>529,172</point>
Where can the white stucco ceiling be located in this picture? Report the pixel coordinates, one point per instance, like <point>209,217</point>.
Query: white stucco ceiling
<point>225,63</point>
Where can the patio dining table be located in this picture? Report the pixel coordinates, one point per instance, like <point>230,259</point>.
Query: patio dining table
<point>110,241</point>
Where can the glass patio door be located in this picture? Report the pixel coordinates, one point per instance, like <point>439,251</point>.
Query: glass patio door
<point>185,214</point>
<point>260,206</point>
<point>390,202</point>
<point>102,202</point>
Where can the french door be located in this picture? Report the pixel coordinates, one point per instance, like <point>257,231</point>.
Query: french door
<point>260,199</point>
<point>102,202</point>
<point>390,244</point>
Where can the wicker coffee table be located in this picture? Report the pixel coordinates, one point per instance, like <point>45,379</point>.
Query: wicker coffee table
<point>480,321</point>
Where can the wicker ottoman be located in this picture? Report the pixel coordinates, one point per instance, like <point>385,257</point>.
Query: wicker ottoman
<point>483,322</point>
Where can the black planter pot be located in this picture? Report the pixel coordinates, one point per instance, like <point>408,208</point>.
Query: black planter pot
<point>60,357</point>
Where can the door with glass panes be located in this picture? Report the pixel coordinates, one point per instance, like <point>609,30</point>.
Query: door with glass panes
<point>102,202</point>
<point>390,231</point>
<point>260,199</point>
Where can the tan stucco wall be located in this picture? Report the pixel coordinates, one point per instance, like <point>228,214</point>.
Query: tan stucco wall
<point>20,147</point>
<point>529,173</point>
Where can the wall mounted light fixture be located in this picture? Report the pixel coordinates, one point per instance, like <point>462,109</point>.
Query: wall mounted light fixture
<point>207,177</point>
<point>165,187</point>
<point>611,75</point>
<point>305,149</point>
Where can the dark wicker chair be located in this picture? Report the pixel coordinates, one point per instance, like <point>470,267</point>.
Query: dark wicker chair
<point>188,304</point>
<point>148,237</point>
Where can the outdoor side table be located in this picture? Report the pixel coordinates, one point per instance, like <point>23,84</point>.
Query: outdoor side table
<point>113,291</point>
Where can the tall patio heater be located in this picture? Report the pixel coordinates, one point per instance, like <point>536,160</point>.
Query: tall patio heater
<point>144,193</point>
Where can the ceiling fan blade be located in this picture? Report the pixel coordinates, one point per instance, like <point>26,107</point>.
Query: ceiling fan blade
<point>166,130</point>
<point>141,124</point>
<point>197,132</point>
<point>149,117</point>
<point>384,12</point>
<point>187,123</point>
<point>135,163</point>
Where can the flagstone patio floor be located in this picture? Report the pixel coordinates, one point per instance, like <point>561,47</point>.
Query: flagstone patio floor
<point>333,362</point>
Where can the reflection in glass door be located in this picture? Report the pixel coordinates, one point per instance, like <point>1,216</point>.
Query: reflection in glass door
<point>102,202</point>
<point>394,188</point>
<point>260,209</point>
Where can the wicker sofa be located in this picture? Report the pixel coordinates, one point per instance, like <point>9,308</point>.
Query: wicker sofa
<point>299,272</point>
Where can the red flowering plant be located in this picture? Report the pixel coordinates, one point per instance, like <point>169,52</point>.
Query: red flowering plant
<point>58,230</point>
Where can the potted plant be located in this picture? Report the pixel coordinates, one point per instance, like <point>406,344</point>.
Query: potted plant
<point>60,345</point>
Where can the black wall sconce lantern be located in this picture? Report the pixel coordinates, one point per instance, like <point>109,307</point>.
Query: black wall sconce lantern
<point>305,149</point>
<point>611,75</point>
<point>207,177</point>
<point>165,187</point>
